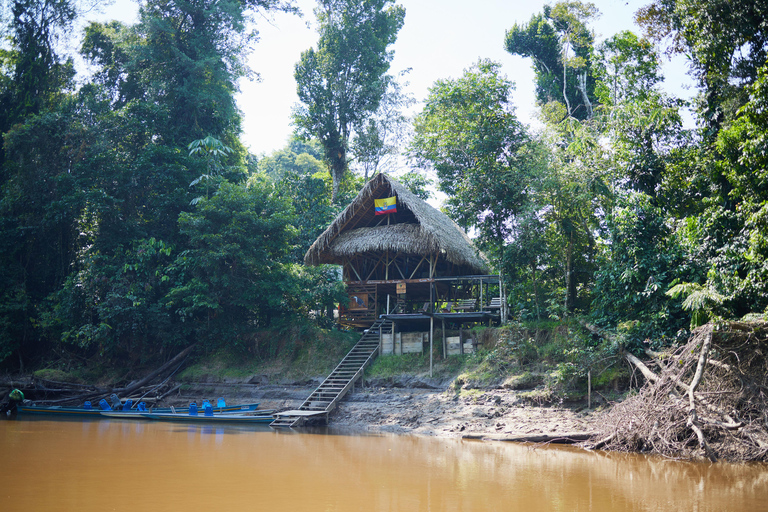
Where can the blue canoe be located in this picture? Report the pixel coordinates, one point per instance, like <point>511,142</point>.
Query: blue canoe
<point>57,410</point>
<point>221,418</point>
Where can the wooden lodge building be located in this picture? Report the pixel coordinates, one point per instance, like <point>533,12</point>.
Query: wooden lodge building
<point>413,265</point>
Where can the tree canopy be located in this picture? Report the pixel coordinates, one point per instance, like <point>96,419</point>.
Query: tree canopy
<point>133,221</point>
<point>344,79</point>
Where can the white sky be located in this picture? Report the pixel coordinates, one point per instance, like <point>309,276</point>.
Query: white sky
<point>439,40</point>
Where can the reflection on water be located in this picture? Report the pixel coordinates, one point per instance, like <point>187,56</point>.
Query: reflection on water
<point>133,465</point>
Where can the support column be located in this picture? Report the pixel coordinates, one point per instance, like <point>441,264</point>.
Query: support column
<point>431,337</point>
<point>445,347</point>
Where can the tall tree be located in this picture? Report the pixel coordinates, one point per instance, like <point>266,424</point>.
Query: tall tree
<point>94,185</point>
<point>377,143</point>
<point>561,45</point>
<point>726,43</point>
<point>342,81</point>
<point>38,71</point>
<point>469,135</point>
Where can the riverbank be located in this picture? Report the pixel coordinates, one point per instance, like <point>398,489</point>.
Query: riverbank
<point>493,414</point>
<point>437,411</point>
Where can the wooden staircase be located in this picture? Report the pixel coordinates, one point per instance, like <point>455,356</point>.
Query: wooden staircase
<point>324,399</point>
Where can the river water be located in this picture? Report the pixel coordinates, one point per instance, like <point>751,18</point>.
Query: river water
<point>124,465</point>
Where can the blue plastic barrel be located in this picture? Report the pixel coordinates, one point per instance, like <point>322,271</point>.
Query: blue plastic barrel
<point>127,405</point>
<point>193,409</point>
<point>104,405</point>
<point>221,403</point>
<point>142,407</point>
<point>207,408</point>
<point>87,405</point>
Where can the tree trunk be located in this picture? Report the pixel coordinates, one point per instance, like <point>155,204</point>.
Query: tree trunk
<point>582,84</point>
<point>535,292</point>
<point>504,310</point>
<point>565,84</point>
<point>570,285</point>
<point>338,166</point>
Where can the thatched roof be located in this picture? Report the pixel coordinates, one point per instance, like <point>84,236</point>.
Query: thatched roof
<point>354,231</point>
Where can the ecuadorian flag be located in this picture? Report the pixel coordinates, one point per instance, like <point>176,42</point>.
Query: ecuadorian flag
<point>386,205</point>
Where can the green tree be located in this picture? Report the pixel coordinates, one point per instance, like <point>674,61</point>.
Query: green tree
<point>726,46</point>
<point>469,135</point>
<point>301,177</point>
<point>417,183</point>
<point>725,41</point>
<point>235,272</point>
<point>377,143</point>
<point>626,67</point>
<point>342,81</point>
<point>643,124</point>
<point>212,151</point>
<point>561,46</point>
<point>94,181</point>
<point>484,160</point>
<point>743,250</point>
<point>38,72</point>
<point>642,258</point>
<point>575,189</point>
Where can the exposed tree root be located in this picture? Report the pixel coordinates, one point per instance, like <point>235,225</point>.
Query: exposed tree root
<point>706,399</point>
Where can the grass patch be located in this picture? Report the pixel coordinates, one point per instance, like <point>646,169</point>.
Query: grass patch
<point>525,380</point>
<point>388,366</point>
<point>56,375</point>
<point>288,351</point>
<point>392,366</point>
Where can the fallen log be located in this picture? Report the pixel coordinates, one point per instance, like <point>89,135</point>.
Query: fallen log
<point>703,399</point>
<point>567,438</point>
<point>693,420</point>
<point>131,388</point>
<point>136,385</point>
<point>174,388</point>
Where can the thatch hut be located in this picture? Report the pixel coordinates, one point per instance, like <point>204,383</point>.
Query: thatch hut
<point>414,256</point>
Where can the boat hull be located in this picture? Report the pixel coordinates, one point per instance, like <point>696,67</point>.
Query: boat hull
<point>224,418</point>
<point>49,410</point>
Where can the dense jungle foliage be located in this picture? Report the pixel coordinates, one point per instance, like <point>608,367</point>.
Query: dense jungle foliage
<point>133,222</point>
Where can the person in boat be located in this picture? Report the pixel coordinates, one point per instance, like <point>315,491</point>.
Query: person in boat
<point>15,397</point>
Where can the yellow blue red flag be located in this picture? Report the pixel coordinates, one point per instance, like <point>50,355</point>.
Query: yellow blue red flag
<point>386,205</point>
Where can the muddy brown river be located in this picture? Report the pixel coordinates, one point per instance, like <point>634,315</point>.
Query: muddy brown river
<point>123,465</point>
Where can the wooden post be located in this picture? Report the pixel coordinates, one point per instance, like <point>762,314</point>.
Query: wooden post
<point>431,336</point>
<point>461,340</point>
<point>394,344</point>
<point>481,294</point>
<point>502,302</point>
<point>445,348</point>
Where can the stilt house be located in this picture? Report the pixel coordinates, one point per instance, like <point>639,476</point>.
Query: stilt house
<point>408,261</point>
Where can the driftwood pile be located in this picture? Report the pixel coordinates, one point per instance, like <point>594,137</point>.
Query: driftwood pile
<point>154,386</point>
<point>708,398</point>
